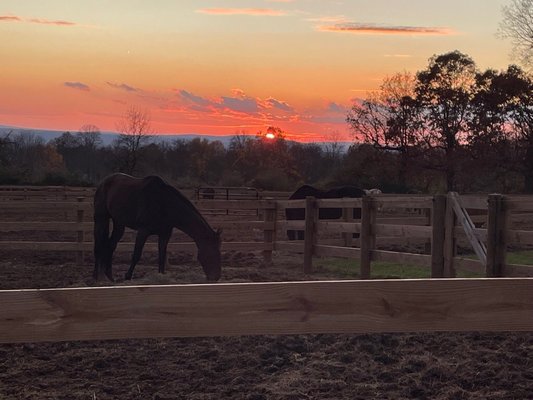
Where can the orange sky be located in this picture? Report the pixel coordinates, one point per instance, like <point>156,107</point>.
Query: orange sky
<point>222,67</point>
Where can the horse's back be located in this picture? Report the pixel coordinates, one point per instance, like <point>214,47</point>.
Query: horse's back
<point>126,198</point>
<point>345,191</point>
<point>305,191</point>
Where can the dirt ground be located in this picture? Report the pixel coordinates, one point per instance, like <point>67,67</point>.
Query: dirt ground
<point>378,366</point>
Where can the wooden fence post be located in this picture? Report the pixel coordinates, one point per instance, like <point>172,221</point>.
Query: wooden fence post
<point>438,217</point>
<point>311,218</point>
<point>496,241</point>
<point>269,217</point>
<point>79,219</point>
<point>368,238</point>
<point>449,241</point>
<point>347,215</point>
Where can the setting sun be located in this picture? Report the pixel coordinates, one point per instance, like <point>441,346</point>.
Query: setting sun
<point>270,135</point>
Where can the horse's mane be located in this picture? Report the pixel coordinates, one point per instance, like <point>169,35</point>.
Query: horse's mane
<point>184,200</point>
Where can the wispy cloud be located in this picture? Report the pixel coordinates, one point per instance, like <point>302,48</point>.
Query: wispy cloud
<point>10,18</point>
<point>123,86</point>
<point>243,11</point>
<point>278,104</point>
<point>14,18</point>
<point>77,86</point>
<point>51,22</point>
<point>375,29</point>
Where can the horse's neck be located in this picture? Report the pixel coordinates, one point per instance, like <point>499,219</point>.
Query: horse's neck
<point>196,227</point>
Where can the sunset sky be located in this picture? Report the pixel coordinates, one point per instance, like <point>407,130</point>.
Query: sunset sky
<point>222,67</point>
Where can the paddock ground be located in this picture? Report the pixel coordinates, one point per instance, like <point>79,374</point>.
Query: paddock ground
<point>378,366</point>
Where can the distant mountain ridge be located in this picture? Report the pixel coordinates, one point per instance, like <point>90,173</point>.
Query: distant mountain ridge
<point>109,137</point>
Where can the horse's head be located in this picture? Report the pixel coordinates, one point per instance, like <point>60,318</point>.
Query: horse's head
<point>209,256</point>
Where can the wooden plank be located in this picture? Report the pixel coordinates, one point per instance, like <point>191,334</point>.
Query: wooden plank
<point>403,220</point>
<point>481,233</point>
<point>127,246</point>
<point>438,218</point>
<point>103,313</point>
<point>35,206</point>
<point>368,239</point>
<point>291,203</point>
<point>496,243</point>
<point>295,225</point>
<point>399,230</point>
<point>231,204</point>
<point>311,218</point>
<point>519,237</point>
<point>269,233</point>
<point>337,251</point>
<point>468,226</point>
<point>515,270</point>
<point>337,226</point>
<point>345,202</point>
<point>44,226</point>
<point>512,204</point>
<point>269,225</point>
<point>296,246</point>
<point>474,202</point>
<point>468,264</point>
<point>404,202</point>
<point>401,258</point>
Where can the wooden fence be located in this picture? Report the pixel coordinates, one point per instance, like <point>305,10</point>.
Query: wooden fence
<point>504,304</point>
<point>260,225</point>
<point>426,305</point>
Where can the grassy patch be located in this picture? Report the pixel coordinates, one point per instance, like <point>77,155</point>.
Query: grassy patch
<point>520,257</point>
<point>345,268</point>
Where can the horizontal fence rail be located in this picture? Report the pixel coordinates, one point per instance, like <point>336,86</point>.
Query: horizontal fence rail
<point>266,308</point>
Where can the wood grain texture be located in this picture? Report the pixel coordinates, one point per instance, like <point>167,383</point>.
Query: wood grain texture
<point>266,308</point>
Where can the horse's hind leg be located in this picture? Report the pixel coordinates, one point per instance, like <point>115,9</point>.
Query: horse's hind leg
<point>116,235</point>
<point>101,243</point>
<point>162,246</point>
<point>140,240</point>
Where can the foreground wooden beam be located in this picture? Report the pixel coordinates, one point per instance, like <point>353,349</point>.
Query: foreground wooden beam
<point>266,308</point>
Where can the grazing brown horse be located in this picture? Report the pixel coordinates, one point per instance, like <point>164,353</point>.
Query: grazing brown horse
<point>151,207</point>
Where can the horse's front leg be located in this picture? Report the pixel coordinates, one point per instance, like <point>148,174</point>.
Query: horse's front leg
<point>162,246</point>
<point>116,235</point>
<point>140,240</point>
<point>101,243</point>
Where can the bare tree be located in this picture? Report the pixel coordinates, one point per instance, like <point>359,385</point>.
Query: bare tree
<point>389,119</point>
<point>517,25</point>
<point>135,132</point>
<point>90,136</point>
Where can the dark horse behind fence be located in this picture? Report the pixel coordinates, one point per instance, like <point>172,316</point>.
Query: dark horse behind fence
<point>324,213</point>
<point>151,207</point>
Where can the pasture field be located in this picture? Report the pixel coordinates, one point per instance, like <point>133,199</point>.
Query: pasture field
<point>372,366</point>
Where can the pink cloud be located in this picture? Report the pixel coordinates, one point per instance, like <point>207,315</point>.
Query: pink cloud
<point>49,22</point>
<point>371,29</point>
<point>77,86</point>
<point>14,18</point>
<point>242,11</point>
<point>9,18</point>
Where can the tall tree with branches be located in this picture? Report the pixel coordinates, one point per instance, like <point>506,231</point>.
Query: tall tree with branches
<point>517,25</point>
